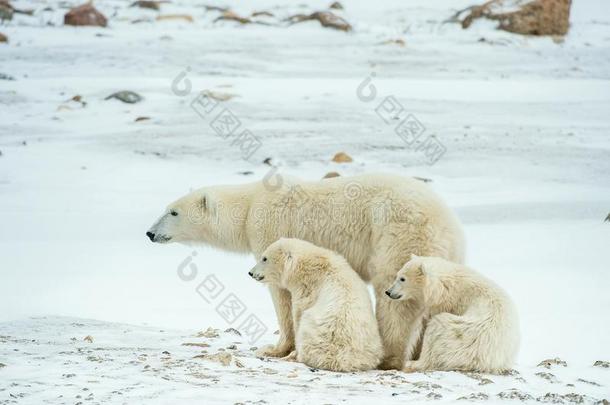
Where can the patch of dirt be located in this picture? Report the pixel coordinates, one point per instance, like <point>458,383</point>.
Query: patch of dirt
<point>326,19</point>
<point>548,376</point>
<point>475,396</point>
<point>548,363</point>
<point>514,394</point>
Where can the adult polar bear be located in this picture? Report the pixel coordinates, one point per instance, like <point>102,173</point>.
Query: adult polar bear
<point>375,221</point>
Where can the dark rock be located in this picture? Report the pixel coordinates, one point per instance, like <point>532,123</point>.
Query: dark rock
<point>601,363</point>
<point>330,175</point>
<point>152,5</point>
<point>4,76</point>
<point>85,15</point>
<point>126,96</point>
<point>233,330</point>
<point>3,38</point>
<point>336,5</point>
<point>142,119</point>
<point>6,11</point>
<point>215,8</point>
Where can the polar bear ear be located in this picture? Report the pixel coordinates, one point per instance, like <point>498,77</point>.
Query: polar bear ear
<point>414,256</point>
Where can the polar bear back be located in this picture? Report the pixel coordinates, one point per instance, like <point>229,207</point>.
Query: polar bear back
<point>354,216</point>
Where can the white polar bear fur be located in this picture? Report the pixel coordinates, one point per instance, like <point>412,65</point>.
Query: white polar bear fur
<point>349,215</point>
<point>335,327</point>
<point>470,323</point>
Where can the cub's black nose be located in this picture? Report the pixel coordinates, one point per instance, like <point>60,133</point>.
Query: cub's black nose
<point>250,273</point>
<point>388,293</point>
<point>150,235</point>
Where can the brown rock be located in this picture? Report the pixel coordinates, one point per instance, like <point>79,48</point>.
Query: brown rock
<point>336,5</point>
<point>3,38</point>
<point>527,17</point>
<point>173,17</point>
<point>326,18</point>
<point>342,157</point>
<point>85,14</point>
<point>330,175</point>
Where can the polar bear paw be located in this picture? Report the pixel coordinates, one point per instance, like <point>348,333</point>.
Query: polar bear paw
<point>273,351</point>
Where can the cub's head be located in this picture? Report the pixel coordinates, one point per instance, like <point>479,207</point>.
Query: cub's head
<point>275,263</point>
<point>210,215</point>
<point>417,280</point>
<point>291,262</point>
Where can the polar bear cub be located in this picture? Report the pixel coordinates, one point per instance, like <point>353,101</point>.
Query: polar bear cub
<point>335,327</point>
<point>468,323</point>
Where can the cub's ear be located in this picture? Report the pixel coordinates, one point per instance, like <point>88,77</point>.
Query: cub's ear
<point>420,270</point>
<point>414,256</point>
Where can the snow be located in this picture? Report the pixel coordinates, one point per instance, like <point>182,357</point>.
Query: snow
<point>524,122</point>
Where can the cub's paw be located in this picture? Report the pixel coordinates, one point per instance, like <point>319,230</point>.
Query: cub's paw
<point>411,367</point>
<point>272,351</point>
<point>291,357</point>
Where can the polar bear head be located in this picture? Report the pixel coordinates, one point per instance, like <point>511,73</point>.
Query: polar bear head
<point>275,262</point>
<point>211,215</point>
<point>289,262</point>
<point>420,280</point>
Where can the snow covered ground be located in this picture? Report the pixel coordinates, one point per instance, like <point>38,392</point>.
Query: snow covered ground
<point>524,122</point>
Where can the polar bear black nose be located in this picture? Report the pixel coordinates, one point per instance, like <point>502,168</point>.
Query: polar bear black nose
<point>250,273</point>
<point>388,293</point>
<point>150,235</point>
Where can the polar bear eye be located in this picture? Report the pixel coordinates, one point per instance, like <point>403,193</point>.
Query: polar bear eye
<point>173,213</point>
<point>264,259</point>
<point>402,279</point>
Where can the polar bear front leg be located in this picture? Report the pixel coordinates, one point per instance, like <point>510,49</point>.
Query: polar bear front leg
<point>283,310</point>
<point>396,321</point>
